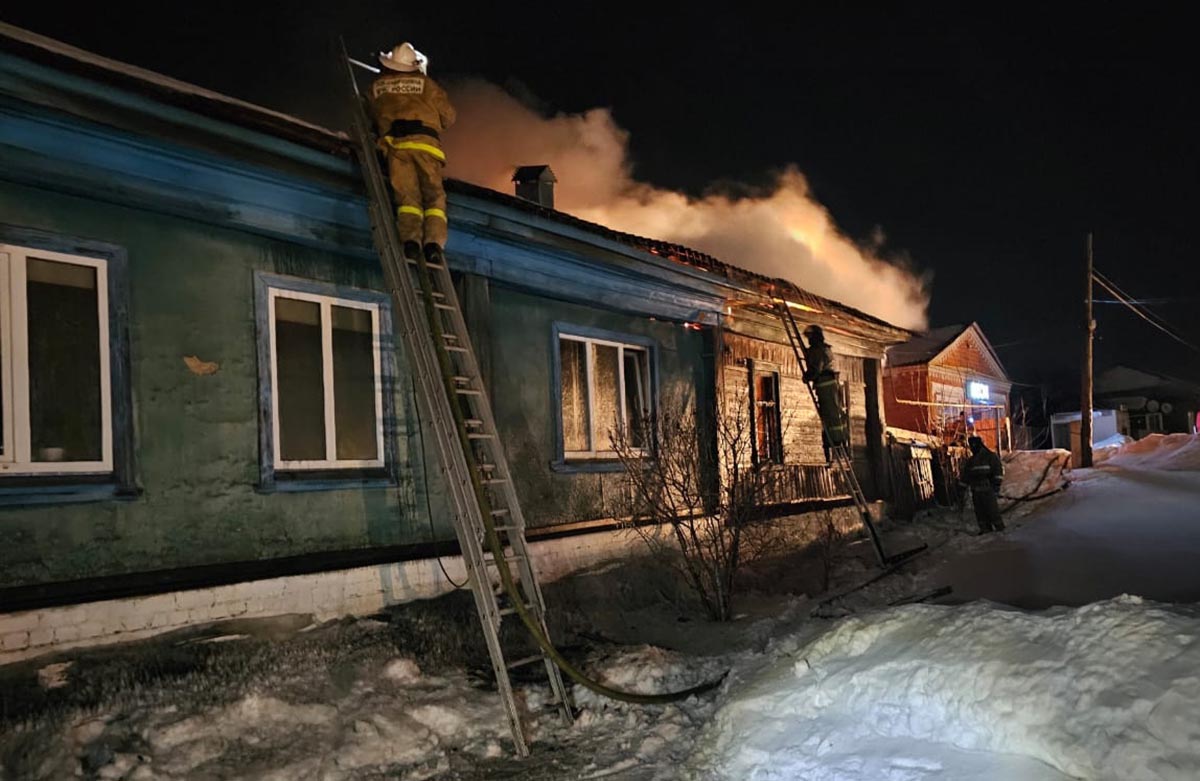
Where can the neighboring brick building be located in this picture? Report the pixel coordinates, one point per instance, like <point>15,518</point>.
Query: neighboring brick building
<point>946,383</point>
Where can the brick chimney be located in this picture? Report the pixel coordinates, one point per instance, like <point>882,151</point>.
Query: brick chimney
<point>536,183</point>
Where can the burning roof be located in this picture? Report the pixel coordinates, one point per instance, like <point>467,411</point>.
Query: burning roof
<point>289,128</point>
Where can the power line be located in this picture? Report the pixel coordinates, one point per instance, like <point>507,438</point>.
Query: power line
<point>1143,311</point>
<point>1128,299</point>
<point>1162,326</point>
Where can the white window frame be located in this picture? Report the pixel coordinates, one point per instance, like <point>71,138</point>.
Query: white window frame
<point>17,458</point>
<point>331,461</point>
<point>590,344</point>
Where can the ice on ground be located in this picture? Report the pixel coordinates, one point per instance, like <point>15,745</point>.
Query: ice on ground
<point>1106,691</point>
<point>1170,452</point>
<point>402,670</point>
<point>653,742</point>
<point>388,719</point>
<point>1035,472</point>
<point>647,670</point>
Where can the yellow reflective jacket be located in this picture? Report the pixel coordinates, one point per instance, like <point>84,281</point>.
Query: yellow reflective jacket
<point>413,102</point>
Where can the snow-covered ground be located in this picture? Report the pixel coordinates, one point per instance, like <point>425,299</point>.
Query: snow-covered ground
<point>1170,452</point>
<point>1131,525</point>
<point>1109,690</point>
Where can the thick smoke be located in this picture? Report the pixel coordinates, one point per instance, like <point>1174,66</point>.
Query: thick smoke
<point>781,233</point>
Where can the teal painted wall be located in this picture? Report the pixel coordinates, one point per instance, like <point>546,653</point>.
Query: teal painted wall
<point>525,408</point>
<point>196,441</point>
<point>196,437</point>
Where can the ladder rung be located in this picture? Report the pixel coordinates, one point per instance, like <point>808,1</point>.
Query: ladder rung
<point>526,661</point>
<point>480,436</point>
<point>447,307</point>
<point>473,422</point>
<point>512,558</point>
<point>494,481</point>
<point>487,467</point>
<point>455,349</point>
<point>501,511</point>
<point>509,611</point>
<point>413,262</point>
<point>461,378</point>
<point>468,392</point>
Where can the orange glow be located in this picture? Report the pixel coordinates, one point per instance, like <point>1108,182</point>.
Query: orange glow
<point>802,307</point>
<point>781,231</point>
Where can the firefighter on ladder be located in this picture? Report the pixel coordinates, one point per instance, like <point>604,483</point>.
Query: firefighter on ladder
<point>820,374</point>
<point>411,111</point>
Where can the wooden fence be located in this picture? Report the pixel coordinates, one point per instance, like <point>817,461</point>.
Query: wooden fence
<point>803,482</point>
<point>923,476</point>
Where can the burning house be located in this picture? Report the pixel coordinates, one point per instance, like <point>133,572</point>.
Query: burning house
<point>205,414</point>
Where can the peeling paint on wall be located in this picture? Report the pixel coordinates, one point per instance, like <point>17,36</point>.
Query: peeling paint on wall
<point>199,367</point>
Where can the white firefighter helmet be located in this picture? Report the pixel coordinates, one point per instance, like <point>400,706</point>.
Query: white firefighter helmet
<point>404,58</point>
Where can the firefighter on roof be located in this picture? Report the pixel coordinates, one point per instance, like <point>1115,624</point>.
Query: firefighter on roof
<point>411,111</point>
<point>819,372</point>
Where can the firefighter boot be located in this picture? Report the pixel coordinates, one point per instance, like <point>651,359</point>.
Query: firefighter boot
<point>433,255</point>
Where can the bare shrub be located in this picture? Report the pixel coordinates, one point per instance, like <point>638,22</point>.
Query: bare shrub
<point>698,507</point>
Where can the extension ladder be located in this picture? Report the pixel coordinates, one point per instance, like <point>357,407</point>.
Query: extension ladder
<point>840,453</point>
<point>452,398</point>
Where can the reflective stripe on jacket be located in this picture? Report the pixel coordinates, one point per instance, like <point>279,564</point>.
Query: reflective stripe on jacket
<point>983,470</point>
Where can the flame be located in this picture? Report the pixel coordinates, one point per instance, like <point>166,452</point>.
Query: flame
<point>783,232</point>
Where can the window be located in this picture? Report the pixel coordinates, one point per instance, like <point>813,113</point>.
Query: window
<point>604,387</point>
<point>764,399</point>
<point>56,385</point>
<point>325,369</point>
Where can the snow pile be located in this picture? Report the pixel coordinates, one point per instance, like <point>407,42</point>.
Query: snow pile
<point>1173,452</point>
<point>1109,447</point>
<point>653,740</point>
<point>1109,691</point>
<point>647,670</point>
<point>1029,473</point>
<point>391,721</point>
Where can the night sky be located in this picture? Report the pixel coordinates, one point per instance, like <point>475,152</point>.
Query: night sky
<point>985,147</point>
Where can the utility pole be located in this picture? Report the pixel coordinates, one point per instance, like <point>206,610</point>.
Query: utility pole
<point>1085,407</point>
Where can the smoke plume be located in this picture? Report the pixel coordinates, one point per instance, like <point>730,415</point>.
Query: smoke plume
<point>781,233</point>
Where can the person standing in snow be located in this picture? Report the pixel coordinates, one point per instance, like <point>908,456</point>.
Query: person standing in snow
<point>411,111</point>
<point>984,472</point>
<point>820,374</point>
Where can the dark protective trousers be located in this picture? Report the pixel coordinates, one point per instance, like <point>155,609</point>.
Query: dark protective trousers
<point>829,407</point>
<point>416,175</point>
<point>987,509</point>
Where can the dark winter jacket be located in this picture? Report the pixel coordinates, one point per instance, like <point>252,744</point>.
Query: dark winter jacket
<point>820,361</point>
<point>983,469</point>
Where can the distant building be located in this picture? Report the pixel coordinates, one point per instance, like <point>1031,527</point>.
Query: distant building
<point>1106,425</point>
<point>948,383</point>
<point>1155,403</point>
